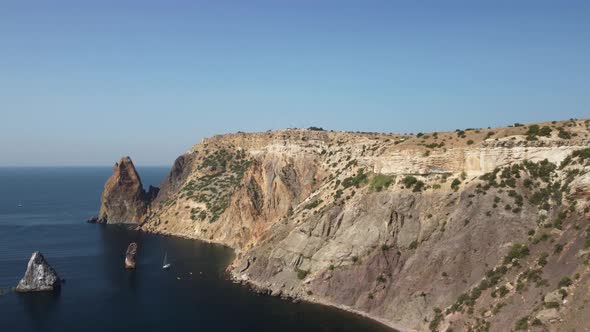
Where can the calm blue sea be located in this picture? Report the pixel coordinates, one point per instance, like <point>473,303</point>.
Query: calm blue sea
<point>45,209</point>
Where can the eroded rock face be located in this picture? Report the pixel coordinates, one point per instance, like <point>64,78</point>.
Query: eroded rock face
<point>123,199</point>
<point>181,169</point>
<point>229,187</point>
<point>130,256</point>
<point>548,315</point>
<point>306,223</point>
<point>39,277</point>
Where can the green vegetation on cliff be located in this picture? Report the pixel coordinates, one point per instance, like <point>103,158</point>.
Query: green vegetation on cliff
<point>224,171</point>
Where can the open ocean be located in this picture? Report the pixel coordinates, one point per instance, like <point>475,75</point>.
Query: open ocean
<point>45,209</point>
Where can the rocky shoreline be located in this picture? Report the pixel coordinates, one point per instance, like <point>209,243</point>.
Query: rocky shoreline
<point>260,289</point>
<point>298,298</point>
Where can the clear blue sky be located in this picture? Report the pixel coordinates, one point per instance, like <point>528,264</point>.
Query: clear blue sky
<point>85,82</point>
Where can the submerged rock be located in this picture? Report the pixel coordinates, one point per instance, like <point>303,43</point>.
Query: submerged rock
<point>130,256</point>
<point>39,277</point>
<point>123,199</point>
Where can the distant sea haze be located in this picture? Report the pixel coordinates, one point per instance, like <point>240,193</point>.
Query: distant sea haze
<point>45,209</point>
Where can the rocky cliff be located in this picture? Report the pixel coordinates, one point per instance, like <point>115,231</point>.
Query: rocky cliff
<point>123,199</point>
<point>472,230</point>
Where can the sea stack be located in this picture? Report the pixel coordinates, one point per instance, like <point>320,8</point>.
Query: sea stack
<point>39,277</point>
<point>130,256</point>
<point>124,201</point>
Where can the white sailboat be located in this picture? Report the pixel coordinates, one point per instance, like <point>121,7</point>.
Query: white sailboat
<point>166,265</point>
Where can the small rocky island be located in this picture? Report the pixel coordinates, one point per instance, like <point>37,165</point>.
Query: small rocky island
<point>130,256</point>
<point>39,277</point>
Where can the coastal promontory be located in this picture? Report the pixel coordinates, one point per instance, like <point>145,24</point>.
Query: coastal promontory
<point>475,229</point>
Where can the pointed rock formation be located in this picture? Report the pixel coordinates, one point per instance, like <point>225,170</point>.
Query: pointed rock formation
<point>130,256</point>
<point>123,199</point>
<point>39,277</point>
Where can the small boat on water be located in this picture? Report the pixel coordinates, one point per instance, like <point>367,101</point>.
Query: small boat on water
<point>166,265</point>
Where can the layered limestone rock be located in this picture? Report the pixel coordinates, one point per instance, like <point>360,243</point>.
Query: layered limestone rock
<point>233,195</point>
<point>419,231</point>
<point>123,199</point>
<point>39,277</point>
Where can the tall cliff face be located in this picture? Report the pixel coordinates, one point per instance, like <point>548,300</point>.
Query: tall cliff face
<point>468,229</point>
<point>123,199</point>
<point>229,194</point>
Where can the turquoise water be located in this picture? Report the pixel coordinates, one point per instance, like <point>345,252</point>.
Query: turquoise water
<point>45,209</point>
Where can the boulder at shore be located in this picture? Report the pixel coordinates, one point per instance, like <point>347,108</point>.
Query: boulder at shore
<point>95,220</point>
<point>130,256</point>
<point>39,277</point>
